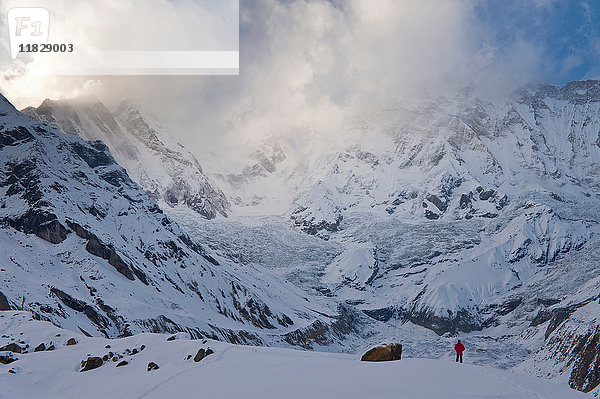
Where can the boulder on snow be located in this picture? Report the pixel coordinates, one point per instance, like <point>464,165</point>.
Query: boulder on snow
<point>92,363</point>
<point>71,341</point>
<point>383,353</point>
<point>8,358</point>
<point>12,347</point>
<point>4,305</point>
<point>152,366</point>
<point>122,363</point>
<point>40,348</point>
<point>202,353</point>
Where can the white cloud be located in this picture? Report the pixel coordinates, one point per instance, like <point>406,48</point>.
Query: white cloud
<point>572,61</point>
<point>311,63</point>
<point>93,26</point>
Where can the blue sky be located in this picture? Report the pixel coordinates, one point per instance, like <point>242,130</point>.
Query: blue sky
<point>566,32</point>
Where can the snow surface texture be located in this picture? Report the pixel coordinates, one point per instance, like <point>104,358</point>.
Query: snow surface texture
<point>236,371</point>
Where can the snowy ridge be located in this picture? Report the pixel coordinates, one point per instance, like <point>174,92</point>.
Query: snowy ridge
<point>85,247</point>
<point>137,141</point>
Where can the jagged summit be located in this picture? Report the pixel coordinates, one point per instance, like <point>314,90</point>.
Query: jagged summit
<point>8,110</point>
<point>138,141</point>
<point>83,246</point>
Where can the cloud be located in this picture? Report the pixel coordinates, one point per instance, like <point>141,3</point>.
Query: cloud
<point>572,61</point>
<point>96,26</point>
<point>309,64</point>
<point>313,63</point>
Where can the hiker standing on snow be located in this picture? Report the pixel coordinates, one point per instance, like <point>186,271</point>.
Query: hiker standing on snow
<point>459,348</point>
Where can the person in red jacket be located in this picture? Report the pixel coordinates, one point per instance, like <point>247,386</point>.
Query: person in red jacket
<point>459,348</point>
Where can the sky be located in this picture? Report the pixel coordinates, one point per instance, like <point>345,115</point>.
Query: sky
<point>308,64</point>
<point>566,31</point>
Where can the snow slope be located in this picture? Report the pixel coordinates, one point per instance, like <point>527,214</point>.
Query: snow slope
<point>237,371</point>
<point>84,246</point>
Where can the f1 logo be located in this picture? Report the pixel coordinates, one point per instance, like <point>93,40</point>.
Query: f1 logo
<point>27,25</point>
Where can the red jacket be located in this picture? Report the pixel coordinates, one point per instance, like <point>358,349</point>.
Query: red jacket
<point>459,348</point>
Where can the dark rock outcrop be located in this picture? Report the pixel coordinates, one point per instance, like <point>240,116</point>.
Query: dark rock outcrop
<point>152,366</point>
<point>71,341</point>
<point>462,320</point>
<point>15,136</point>
<point>92,363</point>
<point>12,347</point>
<point>585,375</point>
<point>98,248</point>
<point>313,227</point>
<point>43,224</point>
<point>439,204</point>
<point>202,353</point>
<point>383,353</point>
<point>558,316</point>
<point>81,306</point>
<point>4,305</point>
<point>317,332</point>
<point>95,154</point>
<point>8,358</point>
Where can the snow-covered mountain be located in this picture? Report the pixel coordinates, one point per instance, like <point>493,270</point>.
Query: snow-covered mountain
<point>85,247</point>
<point>459,215</point>
<point>426,220</point>
<point>140,143</point>
<point>445,207</point>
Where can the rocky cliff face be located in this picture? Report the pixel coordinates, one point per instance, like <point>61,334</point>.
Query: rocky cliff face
<point>458,203</point>
<point>170,174</point>
<point>86,248</point>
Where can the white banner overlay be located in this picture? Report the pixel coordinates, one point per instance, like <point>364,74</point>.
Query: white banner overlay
<point>27,25</point>
<point>148,63</point>
<point>137,37</point>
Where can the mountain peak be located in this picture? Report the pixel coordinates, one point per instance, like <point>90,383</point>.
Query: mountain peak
<point>111,261</point>
<point>140,143</point>
<point>6,107</point>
